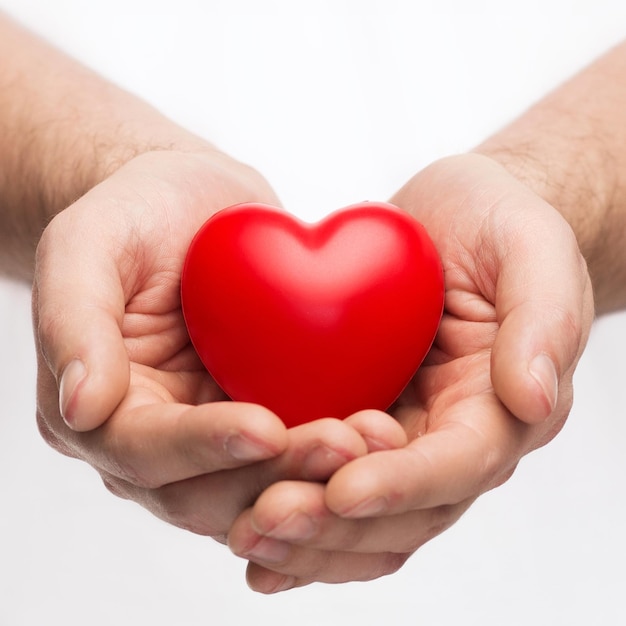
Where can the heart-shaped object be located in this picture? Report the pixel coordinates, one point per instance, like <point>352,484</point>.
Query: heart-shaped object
<point>312,320</point>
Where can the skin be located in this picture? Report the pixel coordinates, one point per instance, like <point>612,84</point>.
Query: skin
<point>548,191</point>
<point>118,192</point>
<point>119,384</point>
<point>473,410</point>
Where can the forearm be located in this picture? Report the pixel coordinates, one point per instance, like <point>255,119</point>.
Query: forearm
<point>571,149</point>
<point>63,129</point>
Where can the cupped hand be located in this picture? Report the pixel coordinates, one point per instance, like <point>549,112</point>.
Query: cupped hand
<point>119,384</point>
<point>496,385</point>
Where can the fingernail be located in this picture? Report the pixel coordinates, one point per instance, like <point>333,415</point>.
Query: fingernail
<point>269,550</point>
<point>243,448</point>
<point>543,370</point>
<point>368,508</point>
<point>296,527</point>
<point>73,375</point>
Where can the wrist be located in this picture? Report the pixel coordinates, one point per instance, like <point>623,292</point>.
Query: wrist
<point>59,168</point>
<point>570,149</point>
<point>63,129</point>
<point>574,174</point>
<point>86,144</point>
<point>577,173</point>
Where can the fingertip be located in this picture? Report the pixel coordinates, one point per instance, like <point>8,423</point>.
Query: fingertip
<point>361,483</point>
<point>321,447</point>
<point>379,430</point>
<point>533,357</point>
<point>525,373</point>
<point>336,434</point>
<point>526,388</point>
<point>91,402</point>
<point>260,425</point>
<point>92,385</point>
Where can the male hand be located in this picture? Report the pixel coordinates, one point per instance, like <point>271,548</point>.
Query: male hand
<point>496,385</point>
<point>119,384</point>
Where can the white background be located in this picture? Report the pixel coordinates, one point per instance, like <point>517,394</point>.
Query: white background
<point>334,102</point>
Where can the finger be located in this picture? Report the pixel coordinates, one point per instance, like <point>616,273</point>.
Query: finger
<point>78,305</point>
<point>379,430</point>
<point>331,568</point>
<point>544,309</point>
<point>209,504</point>
<point>524,260</point>
<point>460,460</point>
<point>158,444</point>
<point>296,513</point>
<point>301,565</point>
<point>323,567</point>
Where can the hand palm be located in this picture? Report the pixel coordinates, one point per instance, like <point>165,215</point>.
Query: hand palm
<point>141,408</point>
<point>516,286</point>
<point>488,229</point>
<point>130,236</point>
<point>473,409</point>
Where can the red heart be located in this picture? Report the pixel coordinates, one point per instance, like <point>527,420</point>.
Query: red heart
<point>317,320</point>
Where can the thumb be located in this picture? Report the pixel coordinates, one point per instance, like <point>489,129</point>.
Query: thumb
<point>78,306</point>
<point>544,306</point>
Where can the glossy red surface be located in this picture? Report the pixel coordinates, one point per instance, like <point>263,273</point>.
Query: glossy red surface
<point>312,320</point>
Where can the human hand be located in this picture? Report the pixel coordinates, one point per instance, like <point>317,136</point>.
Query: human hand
<point>496,385</point>
<point>119,384</point>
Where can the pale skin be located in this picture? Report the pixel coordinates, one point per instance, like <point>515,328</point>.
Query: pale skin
<point>120,191</point>
<point>463,439</point>
<point>119,386</point>
<point>521,225</point>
